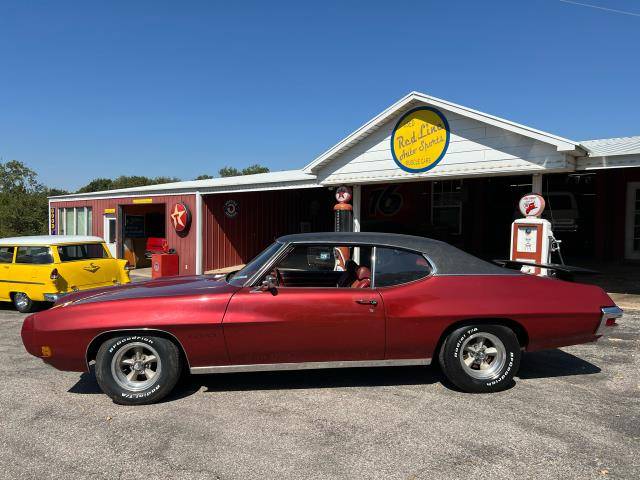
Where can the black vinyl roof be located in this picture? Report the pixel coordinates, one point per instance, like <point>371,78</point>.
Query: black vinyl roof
<point>447,259</point>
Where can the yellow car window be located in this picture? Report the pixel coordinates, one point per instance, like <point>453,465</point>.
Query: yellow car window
<point>6,254</point>
<point>34,255</point>
<point>69,253</point>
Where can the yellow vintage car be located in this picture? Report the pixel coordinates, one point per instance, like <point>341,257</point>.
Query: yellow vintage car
<point>44,268</point>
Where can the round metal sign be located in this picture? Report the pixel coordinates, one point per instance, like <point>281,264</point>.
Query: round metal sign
<point>343,194</point>
<point>180,217</point>
<point>532,205</point>
<point>420,139</point>
<point>230,208</point>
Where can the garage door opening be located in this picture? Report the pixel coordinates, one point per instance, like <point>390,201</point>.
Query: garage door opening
<point>143,230</point>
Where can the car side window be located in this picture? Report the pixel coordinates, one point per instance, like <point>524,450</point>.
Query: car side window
<point>34,255</point>
<point>69,253</point>
<point>395,266</point>
<point>325,266</point>
<point>6,254</point>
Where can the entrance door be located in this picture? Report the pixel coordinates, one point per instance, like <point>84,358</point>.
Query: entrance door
<point>632,229</point>
<point>110,227</point>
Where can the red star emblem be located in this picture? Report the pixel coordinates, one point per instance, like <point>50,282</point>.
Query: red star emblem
<point>180,217</point>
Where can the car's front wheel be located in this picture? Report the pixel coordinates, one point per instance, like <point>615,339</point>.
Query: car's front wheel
<point>137,369</point>
<point>480,358</point>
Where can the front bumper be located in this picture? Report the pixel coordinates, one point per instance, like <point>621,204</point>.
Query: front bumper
<point>608,320</point>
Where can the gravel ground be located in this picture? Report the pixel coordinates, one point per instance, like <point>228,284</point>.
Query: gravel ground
<point>574,413</point>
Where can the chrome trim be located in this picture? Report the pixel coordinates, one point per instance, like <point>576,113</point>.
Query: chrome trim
<point>269,367</point>
<point>86,351</point>
<point>607,313</point>
<point>265,267</point>
<point>374,260</point>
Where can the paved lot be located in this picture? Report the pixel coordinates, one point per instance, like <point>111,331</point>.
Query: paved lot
<point>574,413</point>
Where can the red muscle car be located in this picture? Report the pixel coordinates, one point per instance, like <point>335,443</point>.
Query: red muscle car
<point>321,300</point>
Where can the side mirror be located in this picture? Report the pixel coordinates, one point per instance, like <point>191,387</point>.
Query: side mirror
<point>269,284</point>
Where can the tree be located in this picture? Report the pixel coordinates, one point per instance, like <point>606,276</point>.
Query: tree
<point>255,168</point>
<point>97,185</point>
<point>23,201</point>
<point>124,181</point>
<point>204,177</point>
<point>229,172</point>
<point>234,172</point>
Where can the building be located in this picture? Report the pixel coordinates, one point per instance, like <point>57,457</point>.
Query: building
<point>423,166</point>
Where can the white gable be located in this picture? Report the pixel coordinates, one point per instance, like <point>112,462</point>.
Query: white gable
<point>479,144</point>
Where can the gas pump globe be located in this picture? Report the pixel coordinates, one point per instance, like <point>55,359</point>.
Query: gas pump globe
<point>532,240</point>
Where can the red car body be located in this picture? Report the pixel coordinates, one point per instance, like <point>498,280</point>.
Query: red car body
<point>219,324</point>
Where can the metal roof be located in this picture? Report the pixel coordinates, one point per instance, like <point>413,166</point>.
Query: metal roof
<point>447,259</point>
<point>44,240</point>
<point>606,147</point>
<point>258,181</point>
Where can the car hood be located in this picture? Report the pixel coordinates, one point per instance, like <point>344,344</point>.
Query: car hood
<point>163,287</point>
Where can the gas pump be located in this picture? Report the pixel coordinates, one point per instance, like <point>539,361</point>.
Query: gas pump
<point>532,240</point>
<point>343,212</point>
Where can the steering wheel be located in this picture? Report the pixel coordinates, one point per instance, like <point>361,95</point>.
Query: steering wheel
<point>276,273</point>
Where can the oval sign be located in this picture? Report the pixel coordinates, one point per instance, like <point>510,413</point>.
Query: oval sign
<point>180,217</point>
<point>531,205</point>
<point>420,139</point>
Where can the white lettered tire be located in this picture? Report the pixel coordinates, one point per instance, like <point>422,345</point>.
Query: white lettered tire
<point>137,369</point>
<point>480,358</point>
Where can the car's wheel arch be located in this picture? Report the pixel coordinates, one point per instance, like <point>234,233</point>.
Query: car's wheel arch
<point>94,344</point>
<point>519,330</point>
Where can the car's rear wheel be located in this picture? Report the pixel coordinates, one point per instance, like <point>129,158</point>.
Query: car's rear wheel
<point>137,369</point>
<point>23,303</point>
<point>480,358</point>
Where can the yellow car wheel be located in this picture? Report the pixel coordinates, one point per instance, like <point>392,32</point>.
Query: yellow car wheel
<point>22,302</point>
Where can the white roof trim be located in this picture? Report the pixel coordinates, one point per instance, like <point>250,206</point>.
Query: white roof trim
<point>413,98</point>
<point>46,240</point>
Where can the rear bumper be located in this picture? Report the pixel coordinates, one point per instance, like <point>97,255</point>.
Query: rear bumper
<point>608,320</point>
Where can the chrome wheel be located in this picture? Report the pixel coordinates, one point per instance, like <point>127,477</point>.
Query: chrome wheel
<point>136,366</point>
<point>483,356</point>
<point>21,300</point>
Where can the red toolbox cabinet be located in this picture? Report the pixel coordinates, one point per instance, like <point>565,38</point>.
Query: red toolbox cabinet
<point>164,265</point>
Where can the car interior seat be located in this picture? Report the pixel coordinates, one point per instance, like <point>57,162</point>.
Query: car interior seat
<point>349,274</point>
<point>363,278</point>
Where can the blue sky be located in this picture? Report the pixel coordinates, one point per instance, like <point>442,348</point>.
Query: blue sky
<point>92,89</point>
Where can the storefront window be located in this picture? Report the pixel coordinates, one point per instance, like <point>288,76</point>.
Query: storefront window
<point>81,221</point>
<point>75,221</point>
<point>446,205</point>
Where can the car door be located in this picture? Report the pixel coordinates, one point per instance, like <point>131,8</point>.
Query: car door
<point>6,261</point>
<point>293,324</point>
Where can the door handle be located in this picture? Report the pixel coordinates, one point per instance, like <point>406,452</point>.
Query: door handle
<point>362,301</point>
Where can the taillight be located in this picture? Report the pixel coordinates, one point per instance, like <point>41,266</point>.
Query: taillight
<point>54,274</point>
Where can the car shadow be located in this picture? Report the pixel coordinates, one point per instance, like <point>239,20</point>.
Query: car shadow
<point>543,364</point>
<point>554,363</point>
<point>305,380</point>
<point>86,384</point>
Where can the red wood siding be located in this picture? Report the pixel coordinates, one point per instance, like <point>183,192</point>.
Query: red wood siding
<point>262,217</point>
<point>185,246</point>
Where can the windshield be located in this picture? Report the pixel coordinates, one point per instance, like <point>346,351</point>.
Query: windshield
<point>240,277</point>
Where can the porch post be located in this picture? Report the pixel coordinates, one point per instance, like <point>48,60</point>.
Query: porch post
<point>356,207</point>
<point>199,223</point>
<point>537,183</point>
